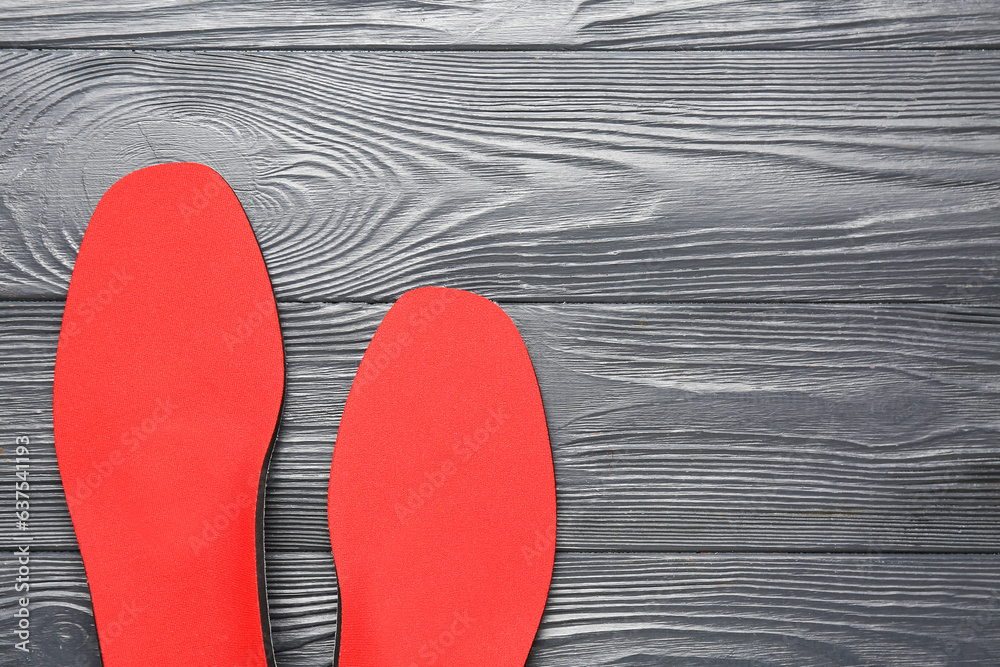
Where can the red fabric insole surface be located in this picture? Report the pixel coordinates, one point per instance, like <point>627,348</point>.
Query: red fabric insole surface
<point>168,384</point>
<point>442,499</point>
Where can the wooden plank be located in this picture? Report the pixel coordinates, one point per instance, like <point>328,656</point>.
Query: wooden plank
<point>674,427</point>
<point>629,609</point>
<point>534,177</point>
<point>620,24</point>
<point>302,605</point>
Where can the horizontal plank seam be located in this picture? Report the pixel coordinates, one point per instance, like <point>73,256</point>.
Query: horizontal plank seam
<point>679,302</point>
<point>625,552</point>
<point>514,48</point>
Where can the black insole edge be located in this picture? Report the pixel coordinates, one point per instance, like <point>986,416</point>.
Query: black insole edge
<point>340,607</point>
<point>265,620</point>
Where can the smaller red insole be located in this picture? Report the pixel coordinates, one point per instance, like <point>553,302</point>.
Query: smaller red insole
<point>442,498</point>
<point>168,383</point>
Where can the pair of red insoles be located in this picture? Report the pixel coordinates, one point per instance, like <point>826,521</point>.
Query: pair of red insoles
<point>168,386</point>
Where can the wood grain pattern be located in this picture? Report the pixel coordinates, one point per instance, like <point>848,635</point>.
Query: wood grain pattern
<point>631,609</point>
<point>450,24</point>
<point>542,178</point>
<point>674,427</point>
<point>558,177</point>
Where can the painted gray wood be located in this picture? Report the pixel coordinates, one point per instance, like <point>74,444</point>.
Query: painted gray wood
<point>636,24</point>
<point>542,178</point>
<point>558,177</point>
<point>674,427</point>
<point>631,609</point>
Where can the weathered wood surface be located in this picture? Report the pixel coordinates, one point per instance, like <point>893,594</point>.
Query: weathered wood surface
<point>450,24</point>
<point>629,609</point>
<point>564,177</point>
<point>540,179</point>
<point>674,427</point>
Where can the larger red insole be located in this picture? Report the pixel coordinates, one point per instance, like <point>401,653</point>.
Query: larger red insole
<point>168,383</point>
<point>442,496</point>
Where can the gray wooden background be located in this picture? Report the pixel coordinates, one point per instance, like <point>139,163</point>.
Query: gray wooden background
<point>753,248</point>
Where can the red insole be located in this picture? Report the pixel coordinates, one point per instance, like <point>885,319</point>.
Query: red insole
<point>168,383</point>
<point>442,499</point>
